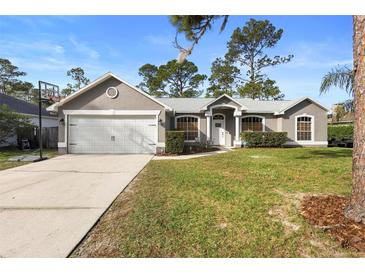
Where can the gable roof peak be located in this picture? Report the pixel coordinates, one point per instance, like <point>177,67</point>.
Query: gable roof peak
<point>99,80</point>
<point>218,98</point>
<point>296,102</point>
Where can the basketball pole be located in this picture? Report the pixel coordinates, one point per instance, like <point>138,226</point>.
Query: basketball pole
<point>40,119</point>
<point>54,87</point>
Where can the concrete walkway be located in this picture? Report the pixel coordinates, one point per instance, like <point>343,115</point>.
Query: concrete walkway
<point>46,208</point>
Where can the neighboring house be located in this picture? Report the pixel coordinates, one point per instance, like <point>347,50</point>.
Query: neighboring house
<point>28,109</point>
<point>348,118</point>
<point>111,116</point>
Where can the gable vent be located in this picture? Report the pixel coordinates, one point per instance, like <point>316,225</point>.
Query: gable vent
<point>112,92</point>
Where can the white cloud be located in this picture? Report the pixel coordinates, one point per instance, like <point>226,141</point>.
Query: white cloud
<point>41,64</point>
<point>310,63</point>
<point>84,49</point>
<point>30,46</point>
<point>318,55</point>
<point>159,40</point>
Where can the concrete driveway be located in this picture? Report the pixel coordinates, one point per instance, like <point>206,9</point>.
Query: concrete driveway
<point>46,208</point>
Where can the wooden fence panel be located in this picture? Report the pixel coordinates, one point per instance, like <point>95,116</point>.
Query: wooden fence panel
<point>49,137</point>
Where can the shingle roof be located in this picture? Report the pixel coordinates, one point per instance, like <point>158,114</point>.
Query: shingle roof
<point>20,106</point>
<point>185,105</point>
<point>193,105</point>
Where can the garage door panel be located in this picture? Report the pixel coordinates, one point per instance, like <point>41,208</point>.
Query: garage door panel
<point>112,134</point>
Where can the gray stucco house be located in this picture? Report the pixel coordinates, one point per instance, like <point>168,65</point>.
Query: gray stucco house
<point>111,116</point>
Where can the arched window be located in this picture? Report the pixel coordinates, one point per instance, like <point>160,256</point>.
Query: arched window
<point>253,123</point>
<point>218,117</point>
<point>190,126</point>
<point>304,128</point>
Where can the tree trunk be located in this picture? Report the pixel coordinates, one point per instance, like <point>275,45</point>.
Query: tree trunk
<point>356,208</point>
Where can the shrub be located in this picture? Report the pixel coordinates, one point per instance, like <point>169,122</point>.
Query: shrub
<point>174,142</point>
<point>198,147</point>
<point>340,132</point>
<point>264,139</point>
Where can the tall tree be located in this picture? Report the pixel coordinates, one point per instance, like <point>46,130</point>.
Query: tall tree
<point>151,83</point>
<point>9,74</point>
<point>22,90</point>
<point>338,112</point>
<point>79,78</point>
<point>172,79</point>
<point>247,49</point>
<point>194,27</point>
<point>264,90</point>
<point>356,208</point>
<point>223,78</point>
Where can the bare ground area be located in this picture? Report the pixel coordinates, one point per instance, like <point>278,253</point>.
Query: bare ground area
<point>327,213</point>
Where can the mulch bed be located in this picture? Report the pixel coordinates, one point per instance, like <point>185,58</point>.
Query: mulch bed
<point>327,213</point>
<point>188,150</point>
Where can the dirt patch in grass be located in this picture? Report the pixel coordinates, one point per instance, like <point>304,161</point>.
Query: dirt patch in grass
<point>281,214</point>
<point>327,213</point>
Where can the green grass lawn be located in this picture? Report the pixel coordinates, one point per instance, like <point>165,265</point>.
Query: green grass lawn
<point>243,203</point>
<point>6,153</point>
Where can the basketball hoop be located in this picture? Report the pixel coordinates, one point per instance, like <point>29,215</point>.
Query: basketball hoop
<point>49,92</point>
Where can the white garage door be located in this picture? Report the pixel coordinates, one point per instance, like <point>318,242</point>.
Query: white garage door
<point>112,134</point>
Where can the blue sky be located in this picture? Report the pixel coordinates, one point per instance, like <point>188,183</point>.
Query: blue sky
<point>47,46</point>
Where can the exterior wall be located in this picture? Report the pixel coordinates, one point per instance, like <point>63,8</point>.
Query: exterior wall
<point>285,123</point>
<point>128,99</point>
<point>46,121</point>
<point>320,122</point>
<point>11,141</point>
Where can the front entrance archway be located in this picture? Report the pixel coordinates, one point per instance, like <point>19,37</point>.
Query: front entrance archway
<point>219,129</point>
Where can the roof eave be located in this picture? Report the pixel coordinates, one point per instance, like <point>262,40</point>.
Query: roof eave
<point>53,107</point>
<point>281,112</point>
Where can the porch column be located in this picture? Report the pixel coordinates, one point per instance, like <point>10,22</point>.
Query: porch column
<point>237,141</point>
<point>209,118</point>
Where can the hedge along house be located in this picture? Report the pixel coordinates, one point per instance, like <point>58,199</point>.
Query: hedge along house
<point>111,116</point>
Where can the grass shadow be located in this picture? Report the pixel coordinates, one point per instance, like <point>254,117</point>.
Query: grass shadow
<point>330,153</point>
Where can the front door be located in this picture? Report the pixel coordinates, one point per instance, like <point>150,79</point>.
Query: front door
<point>219,130</point>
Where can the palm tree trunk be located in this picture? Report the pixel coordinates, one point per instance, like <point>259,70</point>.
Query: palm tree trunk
<point>356,208</point>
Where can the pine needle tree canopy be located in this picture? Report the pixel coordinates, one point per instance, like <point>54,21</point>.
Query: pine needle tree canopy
<point>172,79</point>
